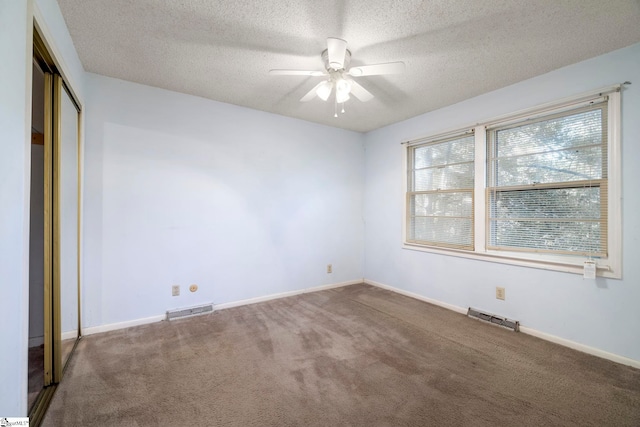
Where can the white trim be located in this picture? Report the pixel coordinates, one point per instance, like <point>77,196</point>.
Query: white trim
<point>69,335</point>
<point>614,185</point>
<point>573,265</point>
<point>153,319</point>
<point>581,347</point>
<point>284,294</point>
<point>524,329</point>
<point>405,189</point>
<point>479,195</point>
<point>448,306</point>
<point>122,325</point>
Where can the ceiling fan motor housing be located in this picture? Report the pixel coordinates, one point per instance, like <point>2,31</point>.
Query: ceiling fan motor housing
<point>327,65</point>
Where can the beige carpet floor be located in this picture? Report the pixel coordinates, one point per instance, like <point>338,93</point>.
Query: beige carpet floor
<point>351,356</point>
<point>36,368</point>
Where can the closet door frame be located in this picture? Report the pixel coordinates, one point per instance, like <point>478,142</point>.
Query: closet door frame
<point>55,88</point>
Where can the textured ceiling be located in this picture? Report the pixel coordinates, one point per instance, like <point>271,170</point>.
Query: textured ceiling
<point>453,49</point>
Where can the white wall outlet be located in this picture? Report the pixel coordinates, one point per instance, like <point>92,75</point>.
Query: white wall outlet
<point>499,293</point>
<point>193,287</point>
<point>175,290</point>
<point>329,268</point>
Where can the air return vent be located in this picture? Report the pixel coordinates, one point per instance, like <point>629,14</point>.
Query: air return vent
<point>514,325</point>
<point>189,312</point>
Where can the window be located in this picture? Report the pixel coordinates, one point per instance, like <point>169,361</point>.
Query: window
<point>548,182</point>
<point>531,189</point>
<point>440,197</point>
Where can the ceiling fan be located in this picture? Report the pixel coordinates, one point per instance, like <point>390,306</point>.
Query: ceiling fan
<point>339,76</point>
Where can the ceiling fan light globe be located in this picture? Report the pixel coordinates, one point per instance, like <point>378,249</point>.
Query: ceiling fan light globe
<point>342,91</point>
<point>343,87</point>
<point>324,90</point>
<point>342,97</point>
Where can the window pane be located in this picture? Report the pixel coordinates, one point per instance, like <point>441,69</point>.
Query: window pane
<point>442,215</point>
<point>441,230</point>
<point>442,204</point>
<point>566,219</point>
<point>444,153</point>
<point>561,203</point>
<point>444,178</point>
<point>571,236</point>
<point>559,166</point>
<point>570,131</point>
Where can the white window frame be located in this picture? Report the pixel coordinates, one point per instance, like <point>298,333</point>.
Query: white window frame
<point>609,266</point>
<point>411,184</point>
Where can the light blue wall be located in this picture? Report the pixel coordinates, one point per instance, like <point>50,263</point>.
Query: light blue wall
<point>15,143</point>
<point>601,314</point>
<point>182,190</point>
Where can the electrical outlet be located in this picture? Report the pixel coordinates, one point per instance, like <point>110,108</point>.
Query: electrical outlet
<point>499,293</point>
<point>193,288</point>
<point>175,290</point>
<point>329,268</point>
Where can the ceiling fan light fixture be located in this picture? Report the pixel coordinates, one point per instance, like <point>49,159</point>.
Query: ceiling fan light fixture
<point>324,90</point>
<point>338,73</point>
<point>340,99</point>
<point>343,87</point>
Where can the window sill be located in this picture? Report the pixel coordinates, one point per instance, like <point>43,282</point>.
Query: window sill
<point>572,265</point>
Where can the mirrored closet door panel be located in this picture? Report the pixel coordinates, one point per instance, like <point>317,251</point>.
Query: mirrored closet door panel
<point>66,224</point>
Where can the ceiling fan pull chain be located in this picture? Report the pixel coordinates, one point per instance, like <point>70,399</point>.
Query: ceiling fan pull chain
<point>343,107</point>
<point>335,107</point>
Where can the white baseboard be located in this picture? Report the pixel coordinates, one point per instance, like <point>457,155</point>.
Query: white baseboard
<point>153,319</point>
<point>526,330</point>
<point>122,325</point>
<point>69,335</point>
<point>452,307</point>
<point>285,294</point>
<point>581,347</point>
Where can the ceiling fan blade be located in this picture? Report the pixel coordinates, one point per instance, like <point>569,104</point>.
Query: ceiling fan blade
<point>312,93</point>
<point>296,73</point>
<point>359,92</point>
<point>336,50</point>
<point>377,69</point>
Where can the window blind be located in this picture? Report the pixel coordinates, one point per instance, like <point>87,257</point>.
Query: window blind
<point>440,196</point>
<point>547,183</point>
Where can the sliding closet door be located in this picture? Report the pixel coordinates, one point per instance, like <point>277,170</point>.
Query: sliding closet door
<point>62,180</point>
<point>66,223</point>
